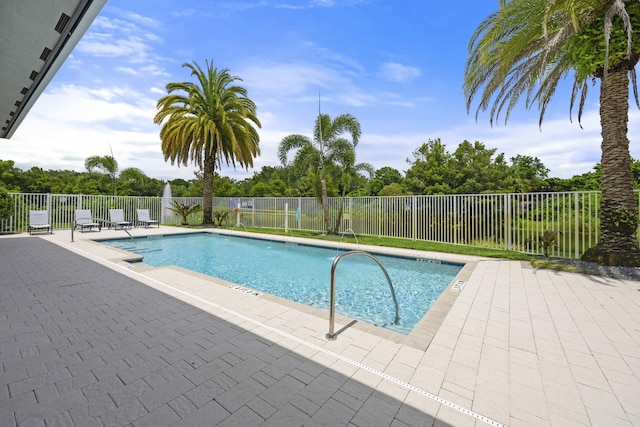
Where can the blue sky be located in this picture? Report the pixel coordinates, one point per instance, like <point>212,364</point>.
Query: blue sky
<point>397,66</point>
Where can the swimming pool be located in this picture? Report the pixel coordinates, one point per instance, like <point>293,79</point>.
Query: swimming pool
<point>301,273</point>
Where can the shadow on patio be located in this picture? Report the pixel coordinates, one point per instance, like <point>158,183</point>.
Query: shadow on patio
<point>82,344</point>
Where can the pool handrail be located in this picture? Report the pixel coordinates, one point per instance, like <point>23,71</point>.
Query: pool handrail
<point>331,335</point>
<point>240,224</point>
<point>100,221</point>
<point>349,231</point>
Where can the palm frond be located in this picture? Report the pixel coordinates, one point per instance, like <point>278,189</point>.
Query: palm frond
<point>520,51</point>
<point>289,143</point>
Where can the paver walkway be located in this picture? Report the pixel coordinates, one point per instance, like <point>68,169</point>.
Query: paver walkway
<point>83,344</point>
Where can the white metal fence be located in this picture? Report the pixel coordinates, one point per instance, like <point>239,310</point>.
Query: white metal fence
<point>498,221</point>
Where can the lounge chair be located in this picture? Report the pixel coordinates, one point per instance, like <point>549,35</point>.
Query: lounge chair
<point>39,221</point>
<point>85,220</point>
<point>116,219</point>
<point>145,219</point>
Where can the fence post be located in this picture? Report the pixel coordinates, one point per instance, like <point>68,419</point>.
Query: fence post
<point>576,245</point>
<point>286,218</point>
<point>350,221</point>
<point>507,222</point>
<point>379,214</point>
<point>414,219</point>
<point>253,212</point>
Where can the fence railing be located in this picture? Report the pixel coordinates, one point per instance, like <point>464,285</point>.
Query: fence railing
<point>498,221</point>
<point>61,208</point>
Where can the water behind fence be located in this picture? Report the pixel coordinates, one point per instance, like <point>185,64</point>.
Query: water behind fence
<point>569,221</point>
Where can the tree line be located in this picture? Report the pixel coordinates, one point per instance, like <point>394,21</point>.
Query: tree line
<point>432,169</point>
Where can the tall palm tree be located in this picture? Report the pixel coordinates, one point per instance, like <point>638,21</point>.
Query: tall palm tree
<point>528,47</point>
<point>208,121</point>
<point>105,164</point>
<point>327,147</point>
<point>348,169</point>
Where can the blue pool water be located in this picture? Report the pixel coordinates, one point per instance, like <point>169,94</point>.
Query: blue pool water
<point>302,273</point>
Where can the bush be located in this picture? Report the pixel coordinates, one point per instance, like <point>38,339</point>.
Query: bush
<point>220,216</point>
<point>6,204</point>
<point>184,210</point>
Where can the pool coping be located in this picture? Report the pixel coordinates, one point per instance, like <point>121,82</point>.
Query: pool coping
<point>419,338</point>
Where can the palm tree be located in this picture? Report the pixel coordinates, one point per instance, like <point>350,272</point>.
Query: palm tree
<point>348,170</point>
<point>527,47</point>
<point>327,147</point>
<point>206,122</point>
<point>184,210</point>
<point>134,181</point>
<point>105,164</point>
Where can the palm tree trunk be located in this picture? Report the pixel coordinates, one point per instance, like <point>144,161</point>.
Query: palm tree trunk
<point>325,205</point>
<point>618,213</point>
<point>207,191</point>
<point>336,228</point>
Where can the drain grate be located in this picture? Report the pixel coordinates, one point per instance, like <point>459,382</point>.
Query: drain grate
<point>429,260</point>
<point>245,290</point>
<point>459,285</point>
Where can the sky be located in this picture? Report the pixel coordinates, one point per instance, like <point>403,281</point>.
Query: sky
<point>396,65</point>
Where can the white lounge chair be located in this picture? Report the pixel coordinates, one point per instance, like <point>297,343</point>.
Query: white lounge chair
<point>116,219</point>
<point>85,220</point>
<point>145,219</point>
<point>39,221</point>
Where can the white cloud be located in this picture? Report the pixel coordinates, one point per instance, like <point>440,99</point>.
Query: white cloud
<point>158,90</point>
<point>282,83</point>
<point>347,64</point>
<point>143,20</point>
<point>292,79</point>
<point>398,73</point>
<point>107,45</point>
<point>563,147</point>
<point>52,137</point>
<point>184,13</point>
<point>125,42</point>
<point>311,4</point>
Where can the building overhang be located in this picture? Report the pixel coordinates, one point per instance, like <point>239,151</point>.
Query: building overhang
<point>36,38</point>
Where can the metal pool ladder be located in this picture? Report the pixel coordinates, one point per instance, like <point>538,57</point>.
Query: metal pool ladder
<point>350,231</point>
<point>331,335</point>
<point>103,221</point>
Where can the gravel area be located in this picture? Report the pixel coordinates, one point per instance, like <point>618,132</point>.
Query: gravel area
<point>625,273</point>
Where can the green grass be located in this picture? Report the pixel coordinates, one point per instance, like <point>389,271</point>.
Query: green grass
<point>551,265</point>
<point>401,243</point>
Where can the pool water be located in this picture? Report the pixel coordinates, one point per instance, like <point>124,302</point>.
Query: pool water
<point>302,273</point>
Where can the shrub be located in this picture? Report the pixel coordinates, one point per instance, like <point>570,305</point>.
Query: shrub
<point>6,204</point>
<point>184,210</point>
<point>220,216</point>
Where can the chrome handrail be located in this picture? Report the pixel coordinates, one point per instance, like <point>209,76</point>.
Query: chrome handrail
<point>238,224</point>
<point>352,232</point>
<point>103,221</point>
<point>331,335</point>
<point>115,226</point>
